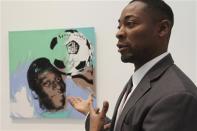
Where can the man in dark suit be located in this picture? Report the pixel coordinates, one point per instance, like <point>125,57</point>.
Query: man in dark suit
<point>158,96</point>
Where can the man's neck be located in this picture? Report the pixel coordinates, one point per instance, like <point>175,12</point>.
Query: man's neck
<point>143,61</point>
<point>139,65</point>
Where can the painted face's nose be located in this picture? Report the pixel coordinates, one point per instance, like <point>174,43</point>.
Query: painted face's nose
<point>55,85</point>
<point>59,86</point>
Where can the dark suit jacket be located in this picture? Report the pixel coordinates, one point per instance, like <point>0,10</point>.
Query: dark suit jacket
<point>164,100</point>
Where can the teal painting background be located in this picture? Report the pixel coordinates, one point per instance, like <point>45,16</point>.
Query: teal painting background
<point>24,46</point>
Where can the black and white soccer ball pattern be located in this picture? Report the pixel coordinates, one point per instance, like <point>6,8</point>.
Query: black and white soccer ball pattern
<point>77,52</point>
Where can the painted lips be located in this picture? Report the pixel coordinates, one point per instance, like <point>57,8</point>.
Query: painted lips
<point>58,94</point>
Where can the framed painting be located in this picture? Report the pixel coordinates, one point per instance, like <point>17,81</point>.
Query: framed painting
<point>48,66</point>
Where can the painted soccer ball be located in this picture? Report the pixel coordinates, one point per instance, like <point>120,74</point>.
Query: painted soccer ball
<point>72,52</point>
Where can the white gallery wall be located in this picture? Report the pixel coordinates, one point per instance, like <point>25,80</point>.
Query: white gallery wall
<point>111,73</point>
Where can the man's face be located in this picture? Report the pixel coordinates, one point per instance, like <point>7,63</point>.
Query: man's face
<point>53,86</point>
<point>136,34</point>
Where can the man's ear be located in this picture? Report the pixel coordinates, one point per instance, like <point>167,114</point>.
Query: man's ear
<point>164,28</point>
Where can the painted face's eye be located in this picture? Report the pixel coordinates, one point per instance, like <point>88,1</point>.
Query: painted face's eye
<point>58,79</point>
<point>46,83</point>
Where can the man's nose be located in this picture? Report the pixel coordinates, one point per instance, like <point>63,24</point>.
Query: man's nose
<point>121,33</point>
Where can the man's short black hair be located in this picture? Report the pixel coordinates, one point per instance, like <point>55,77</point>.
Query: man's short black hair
<point>159,7</point>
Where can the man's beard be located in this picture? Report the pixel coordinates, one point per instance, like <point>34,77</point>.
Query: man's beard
<point>127,58</point>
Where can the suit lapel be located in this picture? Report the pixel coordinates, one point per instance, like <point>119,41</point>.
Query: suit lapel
<point>143,87</point>
<point>140,90</point>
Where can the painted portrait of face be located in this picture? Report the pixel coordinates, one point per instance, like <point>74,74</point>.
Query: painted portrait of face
<point>46,81</point>
<point>53,88</point>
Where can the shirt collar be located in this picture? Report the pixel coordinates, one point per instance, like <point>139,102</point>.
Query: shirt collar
<point>140,73</point>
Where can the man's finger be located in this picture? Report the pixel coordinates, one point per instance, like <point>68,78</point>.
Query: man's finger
<point>97,110</point>
<point>79,99</point>
<point>71,100</point>
<point>107,126</point>
<point>104,109</point>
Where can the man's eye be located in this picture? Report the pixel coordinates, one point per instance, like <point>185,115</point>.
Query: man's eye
<point>130,23</point>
